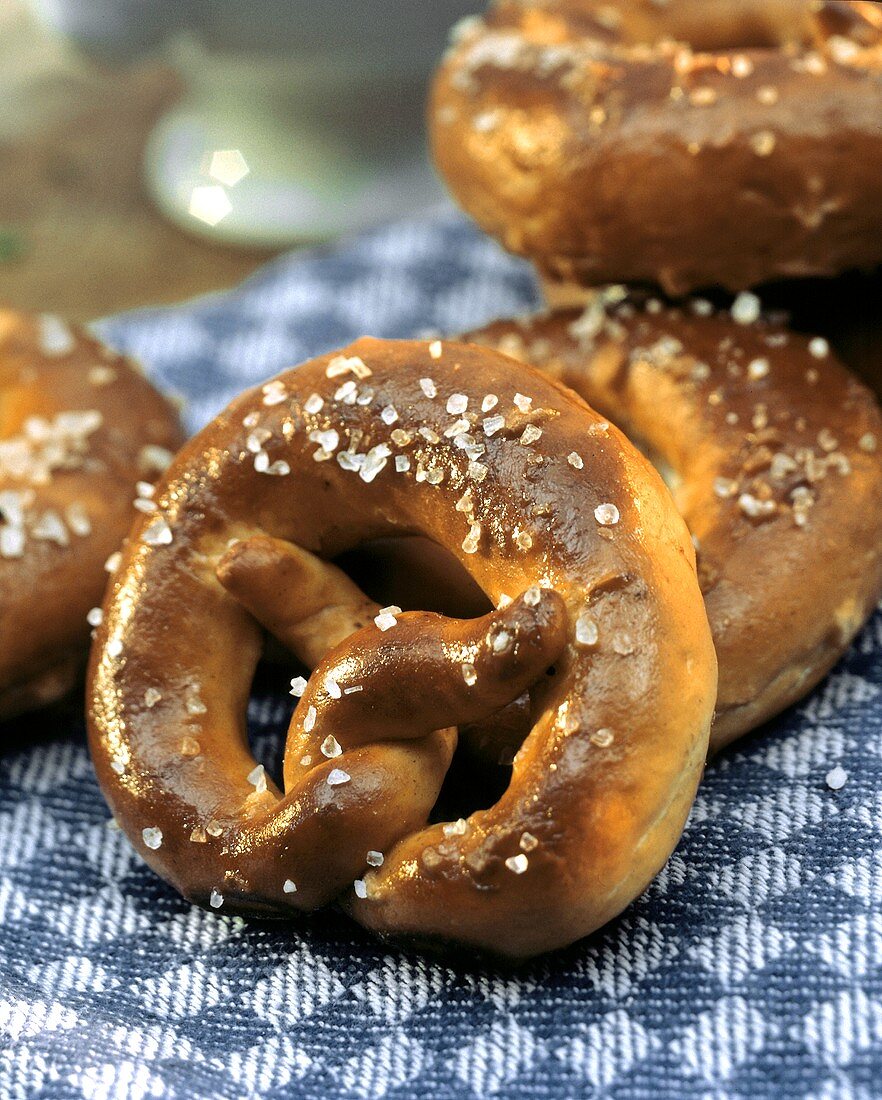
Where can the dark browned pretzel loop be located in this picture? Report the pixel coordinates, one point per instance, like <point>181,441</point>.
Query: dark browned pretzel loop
<point>773,452</point>
<point>79,429</point>
<point>684,144</point>
<point>571,535</point>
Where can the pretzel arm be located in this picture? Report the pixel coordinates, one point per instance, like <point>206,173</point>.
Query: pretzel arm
<point>309,605</point>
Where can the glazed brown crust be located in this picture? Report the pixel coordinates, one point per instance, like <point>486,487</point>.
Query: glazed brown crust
<point>772,450</point>
<point>603,783</point>
<point>644,143</point>
<point>79,427</point>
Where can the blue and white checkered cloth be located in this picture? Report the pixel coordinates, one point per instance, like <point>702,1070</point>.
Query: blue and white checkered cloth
<point>752,967</point>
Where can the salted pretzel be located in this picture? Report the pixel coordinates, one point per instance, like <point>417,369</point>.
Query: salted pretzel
<point>683,143</point>
<point>79,429</point>
<point>576,542</point>
<point>773,452</point>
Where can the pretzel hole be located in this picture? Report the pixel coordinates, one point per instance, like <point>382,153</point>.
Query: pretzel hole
<point>416,574</point>
<point>312,607</point>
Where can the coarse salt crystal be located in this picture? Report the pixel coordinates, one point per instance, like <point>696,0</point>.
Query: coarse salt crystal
<point>54,336</point>
<point>331,747</point>
<point>607,515</point>
<point>472,540</point>
<point>102,376</point>
<point>387,617</point>
<point>256,439</point>
<point>348,364</point>
<point>51,528</point>
<point>532,596</point>
<point>195,706</point>
<point>346,392</point>
<point>157,533</point>
<point>374,463</point>
<point>746,309</point>
<point>274,393</point>
<point>763,143</point>
<point>12,542</point>
<point>257,778</point>
<point>587,633</point>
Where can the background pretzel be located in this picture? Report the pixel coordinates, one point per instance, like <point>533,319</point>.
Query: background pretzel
<point>772,451</point>
<point>79,428</point>
<point>568,531</point>
<point>684,144</point>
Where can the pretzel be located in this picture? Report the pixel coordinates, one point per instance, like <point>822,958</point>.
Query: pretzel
<point>684,144</point>
<point>772,451</point>
<point>79,428</point>
<point>560,521</point>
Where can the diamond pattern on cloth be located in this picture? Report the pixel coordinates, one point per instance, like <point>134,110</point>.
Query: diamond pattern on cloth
<point>751,967</point>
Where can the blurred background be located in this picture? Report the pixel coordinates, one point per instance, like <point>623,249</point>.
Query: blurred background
<point>151,150</point>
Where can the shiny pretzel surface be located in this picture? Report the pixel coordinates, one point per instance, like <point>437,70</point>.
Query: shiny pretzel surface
<point>684,144</point>
<point>82,437</point>
<point>773,452</point>
<point>571,535</point>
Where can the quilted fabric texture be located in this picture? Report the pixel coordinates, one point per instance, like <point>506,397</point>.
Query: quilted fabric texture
<point>751,968</point>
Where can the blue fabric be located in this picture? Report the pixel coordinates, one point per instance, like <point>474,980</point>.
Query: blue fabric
<point>752,967</point>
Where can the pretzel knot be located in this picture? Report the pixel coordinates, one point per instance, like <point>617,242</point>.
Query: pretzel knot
<point>578,552</point>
